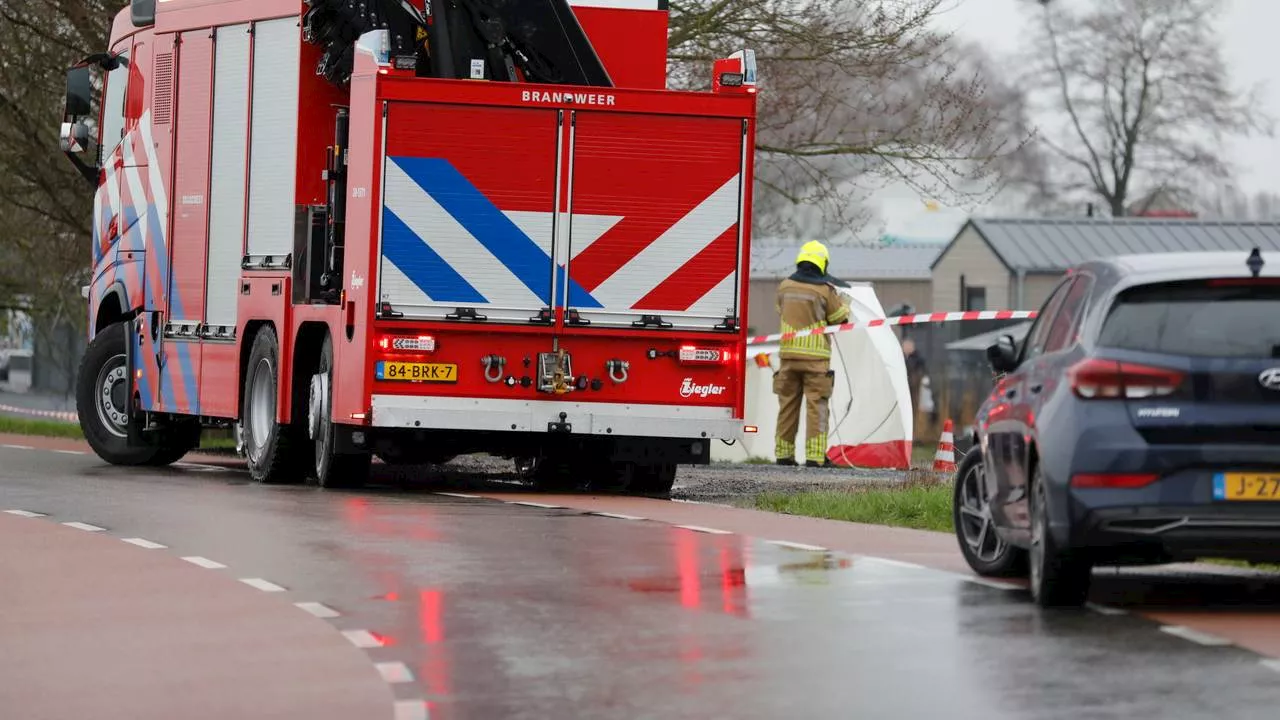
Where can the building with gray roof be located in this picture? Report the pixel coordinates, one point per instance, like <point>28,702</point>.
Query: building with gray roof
<point>1014,263</point>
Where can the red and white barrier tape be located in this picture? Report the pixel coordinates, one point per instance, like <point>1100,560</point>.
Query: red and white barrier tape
<point>920,319</point>
<point>54,414</point>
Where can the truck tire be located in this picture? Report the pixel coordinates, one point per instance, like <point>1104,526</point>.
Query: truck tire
<point>102,400</point>
<point>176,441</point>
<point>654,479</point>
<point>332,470</point>
<point>272,448</point>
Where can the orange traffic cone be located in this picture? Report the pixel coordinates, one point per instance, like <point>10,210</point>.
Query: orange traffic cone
<point>945,459</point>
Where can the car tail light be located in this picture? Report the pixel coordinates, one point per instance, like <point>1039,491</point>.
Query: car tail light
<point>1113,480</point>
<point>1095,379</point>
<point>407,343</point>
<point>707,356</point>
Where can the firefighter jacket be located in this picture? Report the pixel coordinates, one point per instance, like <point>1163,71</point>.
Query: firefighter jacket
<point>808,301</point>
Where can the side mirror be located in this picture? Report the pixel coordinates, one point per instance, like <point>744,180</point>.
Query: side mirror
<point>1003,356</point>
<point>142,12</point>
<point>79,92</point>
<point>74,137</point>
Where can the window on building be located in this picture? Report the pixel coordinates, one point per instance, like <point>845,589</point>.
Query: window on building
<point>975,298</point>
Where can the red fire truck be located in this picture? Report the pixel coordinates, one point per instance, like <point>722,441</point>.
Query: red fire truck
<point>352,229</point>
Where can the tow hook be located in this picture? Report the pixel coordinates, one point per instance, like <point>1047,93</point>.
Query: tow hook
<point>493,365</point>
<point>555,372</point>
<point>618,370</point>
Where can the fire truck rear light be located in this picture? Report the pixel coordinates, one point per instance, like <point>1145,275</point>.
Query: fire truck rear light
<point>751,429</point>
<point>691,354</point>
<point>399,343</point>
<point>358,416</point>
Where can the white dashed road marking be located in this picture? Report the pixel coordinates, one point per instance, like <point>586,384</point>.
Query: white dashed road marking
<point>1271,664</point>
<point>17,447</point>
<point>204,562</point>
<point>797,546</point>
<point>84,526</point>
<point>699,528</point>
<point>318,609</point>
<point>262,585</point>
<point>1106,609</point>
<point>1195,636</point>
<point>898,563</point>
<point>70,452</point>
<point>460,495</point>
<point>411,710</point>
<point>142,543</point>
<point>394,672</point>
<point>616,516</point>
<point>526,503</point>
<point>25,513</point>
<point>362,638</point>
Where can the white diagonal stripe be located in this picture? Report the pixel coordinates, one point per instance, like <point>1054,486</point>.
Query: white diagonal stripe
<point>204,562</point>
<point>456,246</point>
<point>362,638</point>
<point>154,179</point>
<point>144,543</point>
<point>718,302</point>
<point>675,247</point>
<point>25,513</point>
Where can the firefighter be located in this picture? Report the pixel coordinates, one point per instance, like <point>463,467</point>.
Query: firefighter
<point>806,301</point>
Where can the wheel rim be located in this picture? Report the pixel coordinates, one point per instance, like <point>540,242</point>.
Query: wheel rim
<point>262,407</point>
<point>324,428</point>
<point>112,390</point>
<point>1037,535</point>
<point>976,525</point>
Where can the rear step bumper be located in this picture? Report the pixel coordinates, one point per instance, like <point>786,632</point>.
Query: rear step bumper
<point>618,419</point>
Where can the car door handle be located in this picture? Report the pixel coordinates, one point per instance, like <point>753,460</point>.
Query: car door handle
<point>1036,389</point>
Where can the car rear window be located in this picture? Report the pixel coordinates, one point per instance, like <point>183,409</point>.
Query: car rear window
<point>1224,318</point>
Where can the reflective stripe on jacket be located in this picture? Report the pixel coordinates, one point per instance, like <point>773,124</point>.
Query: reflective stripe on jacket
<point>806,304</point>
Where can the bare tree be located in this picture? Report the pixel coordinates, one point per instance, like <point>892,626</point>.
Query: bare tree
<point>1142,98</point>
<point>855,93</point>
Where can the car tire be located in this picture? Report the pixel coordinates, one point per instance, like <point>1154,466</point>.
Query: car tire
<point>983,549</point>
<point>1059,577</point>
<point>332,470</point>
<point>102,401</point>
<point>271,448</point>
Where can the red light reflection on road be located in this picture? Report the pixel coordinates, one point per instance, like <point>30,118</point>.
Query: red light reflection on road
<point>687,565</point>
<point>398,522</point>
<point>435,664</point>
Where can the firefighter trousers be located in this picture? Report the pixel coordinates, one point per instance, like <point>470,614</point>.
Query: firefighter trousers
<point>809,381</point>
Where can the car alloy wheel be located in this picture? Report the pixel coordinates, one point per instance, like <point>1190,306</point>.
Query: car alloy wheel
<point>976,526</point>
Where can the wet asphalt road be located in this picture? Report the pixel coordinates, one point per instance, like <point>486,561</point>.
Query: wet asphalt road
<point>506,611</point>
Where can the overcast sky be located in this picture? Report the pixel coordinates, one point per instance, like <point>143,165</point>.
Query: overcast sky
<point>1250,30</point>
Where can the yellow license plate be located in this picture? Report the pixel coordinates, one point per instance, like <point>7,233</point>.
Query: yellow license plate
<point>416,372</point>
<point>1246,486</point>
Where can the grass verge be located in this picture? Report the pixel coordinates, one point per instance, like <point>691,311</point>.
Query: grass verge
<point>221,440</point>
<point>920,506</point>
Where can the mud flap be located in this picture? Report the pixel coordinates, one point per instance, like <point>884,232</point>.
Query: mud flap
<point>132,351</point>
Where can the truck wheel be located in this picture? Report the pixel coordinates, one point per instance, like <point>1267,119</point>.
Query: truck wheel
<point>332,470</point>
<point>552,473</point>
<point>175,442</point>
<point>655,479</point>
<point>102,400</point>
<point>269,446</point>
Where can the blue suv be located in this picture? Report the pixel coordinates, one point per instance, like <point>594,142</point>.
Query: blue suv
<point>1138,423</point>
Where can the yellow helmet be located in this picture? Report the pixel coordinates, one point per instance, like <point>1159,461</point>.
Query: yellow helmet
<point>814,252</point>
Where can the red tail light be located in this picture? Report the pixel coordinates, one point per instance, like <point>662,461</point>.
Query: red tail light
<point>1095,379</point>
<point>1113,480</point>
<point>704,356</point>
<point>407,343</point>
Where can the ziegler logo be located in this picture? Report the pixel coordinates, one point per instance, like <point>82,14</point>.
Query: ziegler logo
<point>570,98</point>
<point>1270,378</point>
<point>689,389</point>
